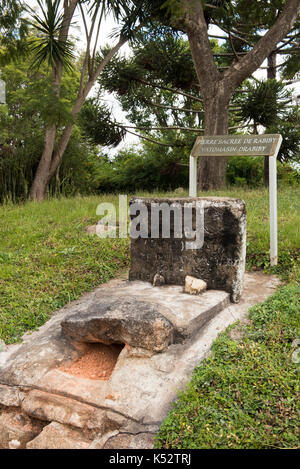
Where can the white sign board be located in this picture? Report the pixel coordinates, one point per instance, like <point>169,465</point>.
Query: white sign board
<point>243,145</point>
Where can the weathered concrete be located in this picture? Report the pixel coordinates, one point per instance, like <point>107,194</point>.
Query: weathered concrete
<point>16,429</point>
<point>58,436</point>
<point>140,315</point>
<point>121,320</point>
<point>141,389</point>
<point>220,262</point>
<point>44,406</point>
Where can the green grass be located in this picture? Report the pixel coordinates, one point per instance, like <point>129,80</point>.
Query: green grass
<point>47,259</point>
<point>246,394</point>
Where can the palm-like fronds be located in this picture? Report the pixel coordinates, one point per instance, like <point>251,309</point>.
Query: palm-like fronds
<point>49,47</point>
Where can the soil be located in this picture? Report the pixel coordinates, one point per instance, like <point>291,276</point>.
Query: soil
<point>97,363</point>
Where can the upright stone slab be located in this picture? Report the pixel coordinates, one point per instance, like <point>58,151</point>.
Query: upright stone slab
<point>220,262</point>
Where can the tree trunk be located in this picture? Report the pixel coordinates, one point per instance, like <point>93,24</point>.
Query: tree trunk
<point>52,157</point>
<point>215,85</point>
<point>212,169</point>
<point>271,75</point>
<point>41,179</point>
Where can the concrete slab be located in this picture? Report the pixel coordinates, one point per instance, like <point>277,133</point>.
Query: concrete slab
<point>141,388</point>
<point>188,313</point>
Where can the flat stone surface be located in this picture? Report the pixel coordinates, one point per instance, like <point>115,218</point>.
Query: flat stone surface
<point>141,390</point>
<point>144,316</point>
<point>187,313</point>
<point>49,407</point>
<point>220,262</point>
<point>58,436</point>
<point>121,320</point>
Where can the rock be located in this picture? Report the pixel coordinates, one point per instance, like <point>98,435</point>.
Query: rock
<point>179,190</point>
<point>16,427</point>
<point>100,440</point>
<point>141,390</point>
<point>91,229</point>
<point>104,231</point>
<point>58,436</point>
<point>49,407</point>
<point>121,320</point>
<point>158,280</point>
<point>220,261</point>
<point>3,346</point>
<point>14,444</point>
<point>140,441</point>
<point>9,396</point>
<point>194,286</point>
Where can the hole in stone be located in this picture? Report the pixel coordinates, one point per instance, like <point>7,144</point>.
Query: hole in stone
<point>98,362</point>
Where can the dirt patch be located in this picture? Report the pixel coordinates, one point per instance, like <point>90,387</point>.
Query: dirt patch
<point>98,362</point>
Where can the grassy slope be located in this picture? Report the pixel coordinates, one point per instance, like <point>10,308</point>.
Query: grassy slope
<point>47,259</point>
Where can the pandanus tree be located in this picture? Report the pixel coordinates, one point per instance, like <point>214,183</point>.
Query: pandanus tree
<point>52,45</point>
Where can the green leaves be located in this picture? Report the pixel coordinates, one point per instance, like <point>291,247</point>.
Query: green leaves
<point>265,102</point>
<point>50,45</point>
<point>97,126</point>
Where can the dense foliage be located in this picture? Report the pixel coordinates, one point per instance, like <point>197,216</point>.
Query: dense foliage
<point>30,105</point>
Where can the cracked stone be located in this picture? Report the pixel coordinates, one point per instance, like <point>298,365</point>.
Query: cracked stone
<point>17,429</point>
<point>49,407</point>
<point>58,436</point>
<point>220,262</point>
<point>121,320</point>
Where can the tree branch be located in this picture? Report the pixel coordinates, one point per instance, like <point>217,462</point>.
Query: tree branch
<point>156,141</point>
<point>187,129</point>
<point>165,88</point>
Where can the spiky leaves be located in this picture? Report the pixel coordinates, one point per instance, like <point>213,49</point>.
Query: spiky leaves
<point>48,46</point>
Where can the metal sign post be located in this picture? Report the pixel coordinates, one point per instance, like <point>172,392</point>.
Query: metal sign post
<point>243,145</point>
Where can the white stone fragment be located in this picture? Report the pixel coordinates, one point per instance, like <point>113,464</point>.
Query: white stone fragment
<point>194,286</point>
<point>14,444</point>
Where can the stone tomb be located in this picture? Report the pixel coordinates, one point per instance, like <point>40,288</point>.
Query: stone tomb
<point>156,334</point>
<point>220,262</point>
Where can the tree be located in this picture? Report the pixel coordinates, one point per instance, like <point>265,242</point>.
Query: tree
<point>157,88</point>
<point>22,124</point>
<point>54,47</point>
<point>12,30</point>
<point>217,86</point>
